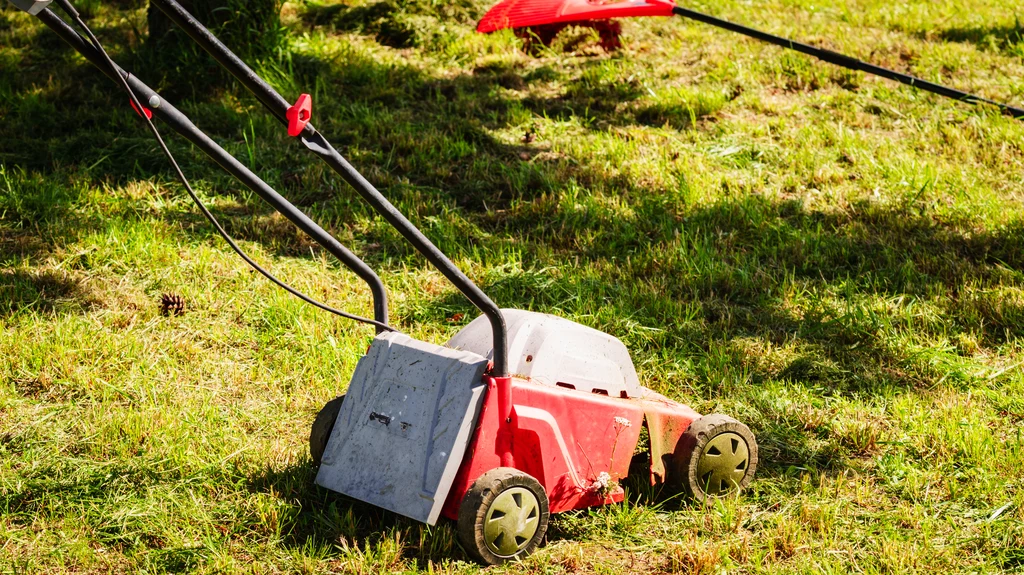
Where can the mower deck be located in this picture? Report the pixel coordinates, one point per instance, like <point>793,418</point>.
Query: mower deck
<point>420,423</point>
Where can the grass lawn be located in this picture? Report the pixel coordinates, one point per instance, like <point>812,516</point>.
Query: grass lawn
<point>832,258</point>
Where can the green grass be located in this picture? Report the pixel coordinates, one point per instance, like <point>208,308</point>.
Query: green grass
<point>832,258</point>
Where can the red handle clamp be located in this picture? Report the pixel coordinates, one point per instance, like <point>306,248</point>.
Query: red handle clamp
<point>299,114</point>
<point>149,113</point>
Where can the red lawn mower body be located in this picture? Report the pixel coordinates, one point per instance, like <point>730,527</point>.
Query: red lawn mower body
<point>566,438</point>
<point>431,431</point>
<point>571,416</point>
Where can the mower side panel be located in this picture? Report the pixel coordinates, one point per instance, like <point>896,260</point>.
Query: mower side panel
<point>563,438</point>
<point>403,429</point>
<point>666,422</point>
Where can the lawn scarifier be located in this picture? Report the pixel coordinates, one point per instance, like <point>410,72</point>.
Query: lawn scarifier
<point>518,416</point>
<point>520,14</point>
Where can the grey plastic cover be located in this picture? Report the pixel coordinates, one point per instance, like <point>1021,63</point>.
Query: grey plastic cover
<point>33,7</point>
<point>404,427</point>
<point>551,350</point>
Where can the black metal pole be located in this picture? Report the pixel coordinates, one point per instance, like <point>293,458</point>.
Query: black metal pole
<point>319,145</point>
<point>322,148</point>
<point>847,62</point>
<point>181,124</point>
<point>269,97</point>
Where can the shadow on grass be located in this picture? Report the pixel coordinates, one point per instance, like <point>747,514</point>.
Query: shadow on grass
<point>1006,38</point>
<point>395,23</point>
<point>347,527</point>
<point>748,249</point>
<point>42,292</point>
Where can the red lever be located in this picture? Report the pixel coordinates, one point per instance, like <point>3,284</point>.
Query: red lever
<point>149,113</point>
<point>299,115</point>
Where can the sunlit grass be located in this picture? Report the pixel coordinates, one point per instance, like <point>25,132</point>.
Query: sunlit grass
<point>832,258</point>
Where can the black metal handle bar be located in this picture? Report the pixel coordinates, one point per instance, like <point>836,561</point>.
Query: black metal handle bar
<point>181,124</point>
<point>846,61</point>
<point>319,145</point>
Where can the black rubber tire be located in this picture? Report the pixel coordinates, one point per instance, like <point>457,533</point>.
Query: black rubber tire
<point>323,425</point>
<point>697,439</point>
<point>477,503</point>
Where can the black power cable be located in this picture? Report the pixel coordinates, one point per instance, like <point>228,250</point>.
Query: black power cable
<point>70,10</point>
<point>847,62</point>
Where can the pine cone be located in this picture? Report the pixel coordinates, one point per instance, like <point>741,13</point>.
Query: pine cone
<point>171,304</point>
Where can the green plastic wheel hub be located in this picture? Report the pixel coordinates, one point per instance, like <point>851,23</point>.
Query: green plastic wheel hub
<point>723,463</point>
<point>717,455</point>
<point>511,521</point>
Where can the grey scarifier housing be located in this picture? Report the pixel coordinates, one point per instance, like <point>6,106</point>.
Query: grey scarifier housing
<point>408,416</point>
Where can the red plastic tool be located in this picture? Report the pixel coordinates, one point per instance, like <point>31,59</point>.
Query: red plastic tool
<point>299,114</point>
<point>537,14</point>
<point>523,13</point>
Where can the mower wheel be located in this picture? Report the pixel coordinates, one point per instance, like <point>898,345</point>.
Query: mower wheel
<point>323,425</point>
<point>718,456</point>
<point>503,516</point>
